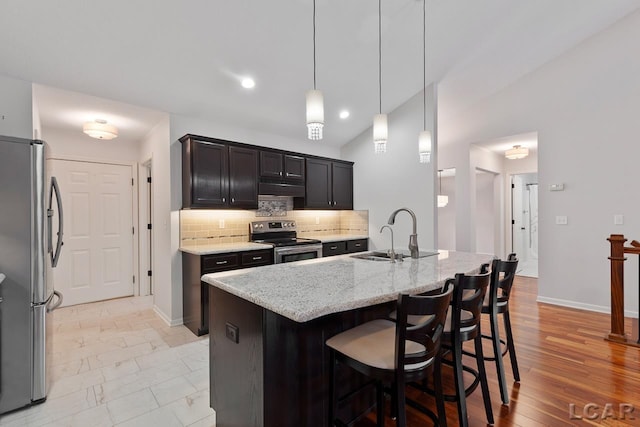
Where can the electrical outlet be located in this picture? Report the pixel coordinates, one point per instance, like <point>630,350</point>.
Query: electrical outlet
<point>562,220</point>
<point>317,220</point>
<point>232,332</point>
<point>618,219</point>
<point>221,223</point>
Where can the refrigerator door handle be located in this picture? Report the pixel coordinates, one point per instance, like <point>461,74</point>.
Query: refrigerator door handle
<point>55,189</point>
<point>57,304</point>
<point>2,277</point>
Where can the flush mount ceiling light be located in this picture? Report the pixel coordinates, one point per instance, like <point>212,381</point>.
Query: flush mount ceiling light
<point>424,140</point>
<point>344,114</point>
<point>315,102</point>
<point>517,152</point>
<point>99,129</point>
<point>380,128</point>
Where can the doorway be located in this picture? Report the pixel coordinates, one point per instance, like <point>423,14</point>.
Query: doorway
<point>97,257</point>
<point>524,224</point>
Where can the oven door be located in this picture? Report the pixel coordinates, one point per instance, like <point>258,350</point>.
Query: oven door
<point>297,253</point>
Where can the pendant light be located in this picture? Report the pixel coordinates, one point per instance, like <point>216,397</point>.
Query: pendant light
<point>380,129</point>
<point>424,140</point>
<point>442,199</point>
<point>315,102</point>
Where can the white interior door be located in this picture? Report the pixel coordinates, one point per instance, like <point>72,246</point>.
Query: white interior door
<point>97,256</point>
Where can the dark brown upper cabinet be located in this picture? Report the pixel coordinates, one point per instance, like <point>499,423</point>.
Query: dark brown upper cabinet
<point>329,185</point>
<point>217,176</point>
<point>281,167</point>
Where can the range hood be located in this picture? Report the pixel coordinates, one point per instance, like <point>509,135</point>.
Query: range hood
<point>280,189</point>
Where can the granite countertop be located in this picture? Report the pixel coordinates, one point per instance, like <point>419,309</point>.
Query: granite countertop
<point>220,248</point>
<point>306,290</point>
<point>335,237</point>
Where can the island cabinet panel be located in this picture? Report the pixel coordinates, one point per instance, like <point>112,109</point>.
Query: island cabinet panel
<point>279,366</point>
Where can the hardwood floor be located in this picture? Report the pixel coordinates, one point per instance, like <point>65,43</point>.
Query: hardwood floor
<point>567,371</point>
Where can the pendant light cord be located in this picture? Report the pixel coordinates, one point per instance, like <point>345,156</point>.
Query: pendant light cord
<point>380,53</point>
<point>314,44</point>
<point>424,62</point>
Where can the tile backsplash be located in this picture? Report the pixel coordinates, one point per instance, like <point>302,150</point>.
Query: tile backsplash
<point>206,227</point>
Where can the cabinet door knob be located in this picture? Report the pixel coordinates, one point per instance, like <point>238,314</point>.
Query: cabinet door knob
<point>224,199</point>
<point>221,262</point>
<point>233,200</point>
<point>329,203</point>
<point>256,258</point>
<point>280,173</point>
<point>333,248</point>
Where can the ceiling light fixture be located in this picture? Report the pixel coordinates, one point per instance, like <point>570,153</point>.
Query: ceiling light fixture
<point>99,129</point>
<point>380,128</point>
<point>315,102</point>
<point>248,83</point>
<point>424,140</point>
<point>442,199</point>
<point>344,114</point>
<point>517,152</point>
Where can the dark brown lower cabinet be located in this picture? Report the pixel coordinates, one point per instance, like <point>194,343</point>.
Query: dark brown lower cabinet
<point>276,373</point>
<point>344,247</point>
<point>195,293</point>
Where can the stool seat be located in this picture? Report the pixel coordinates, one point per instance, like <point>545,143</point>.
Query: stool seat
<point>373,343</point>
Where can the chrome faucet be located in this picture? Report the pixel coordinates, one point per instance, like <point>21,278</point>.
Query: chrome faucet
<point>392,253</point>
<point>413,238</point>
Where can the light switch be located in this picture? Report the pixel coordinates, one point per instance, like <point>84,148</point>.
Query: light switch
<point>618,219</point>
<point>562,220</point>
<point>556,187</point>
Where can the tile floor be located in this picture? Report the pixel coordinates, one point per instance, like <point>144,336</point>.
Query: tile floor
<point>117,363</point>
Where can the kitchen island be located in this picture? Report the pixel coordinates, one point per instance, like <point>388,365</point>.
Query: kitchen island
<point>268,362</point>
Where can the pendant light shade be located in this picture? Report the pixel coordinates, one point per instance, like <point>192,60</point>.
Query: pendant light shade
<point>99,129</point>
<point>315,114</point>
<point>380,128</point>
<point>517,152</point>
<point>424,146</point>
<point>424,139</point>
<point>315,101</point>
<point>380,132</point>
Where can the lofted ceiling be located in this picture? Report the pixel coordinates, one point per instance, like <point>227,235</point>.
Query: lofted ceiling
<point>187,58</point>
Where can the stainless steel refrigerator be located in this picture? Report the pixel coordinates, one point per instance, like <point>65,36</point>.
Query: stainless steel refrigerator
<point>30,244</point>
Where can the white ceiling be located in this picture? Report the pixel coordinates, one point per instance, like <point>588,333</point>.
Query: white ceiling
<point>186,57</point>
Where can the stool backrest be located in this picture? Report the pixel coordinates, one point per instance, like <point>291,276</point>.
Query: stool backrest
<point>433,308</point>
<point>468,296</point>
<point>502,274</point>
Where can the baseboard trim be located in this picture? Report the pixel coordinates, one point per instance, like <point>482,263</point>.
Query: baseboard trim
<point>582,306</point>
<point>166,319</point>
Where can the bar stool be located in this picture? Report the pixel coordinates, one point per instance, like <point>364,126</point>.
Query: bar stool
<point>395,353</point>
<point>497,302</point>
<point>463,324</point>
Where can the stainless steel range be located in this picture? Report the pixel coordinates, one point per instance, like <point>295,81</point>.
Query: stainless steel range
<point>288,247</point>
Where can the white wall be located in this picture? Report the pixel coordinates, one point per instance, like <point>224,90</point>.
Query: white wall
<point>447,215</point>
<point>385,182</point>
<point>16,111</point>
<point>485,211</point>
<point>584,106</point>
<point>76,145</point>
<point>167,296</point>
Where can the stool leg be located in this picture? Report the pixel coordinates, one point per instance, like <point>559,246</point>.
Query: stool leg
<point>437,388</point>
<point>379,404</point>
<point>401,421</point>
<point>459,383</point>
<point>497,351</point>
<point>333,398</point>
<point>511,346</point>
<point>484,383</point>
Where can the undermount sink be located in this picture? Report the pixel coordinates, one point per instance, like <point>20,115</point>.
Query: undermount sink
<point>377,256</point>
<point>384,256</point>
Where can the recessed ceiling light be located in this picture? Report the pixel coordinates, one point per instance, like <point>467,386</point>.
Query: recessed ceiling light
<point>248,83</point>
<point>344,114</point>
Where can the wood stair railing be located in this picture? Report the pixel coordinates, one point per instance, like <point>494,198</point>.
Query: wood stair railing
<point>617,258</point>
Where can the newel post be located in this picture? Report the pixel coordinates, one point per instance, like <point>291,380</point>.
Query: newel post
<point>617,287</point>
